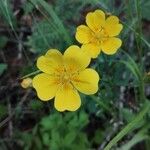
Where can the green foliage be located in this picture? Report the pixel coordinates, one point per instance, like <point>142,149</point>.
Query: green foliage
<point>28,7</point>
<point>137,138</point>
<point>99,136</point>
<point>52,32</point>
<point>127,114</point>
<point>145,9</point>
<point>58,131</point>
<point>44,37</point>
<point>6,13</point>
<point>53,26</point>
<point>129,127</point>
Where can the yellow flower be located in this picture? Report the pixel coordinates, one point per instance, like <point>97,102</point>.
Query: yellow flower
<point>63,76</point>
<point>99,34</point>
<point>26,83</point>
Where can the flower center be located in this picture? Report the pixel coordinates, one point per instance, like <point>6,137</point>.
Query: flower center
<point>101,35</point>
<point>65,76</point>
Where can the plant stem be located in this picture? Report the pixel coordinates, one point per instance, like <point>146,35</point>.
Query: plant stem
<point>31,74</point>
<point>139,30</point>
<point>129,126</point>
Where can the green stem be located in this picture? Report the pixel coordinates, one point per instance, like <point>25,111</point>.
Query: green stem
<point>137,72</point>
<point>139,30</point>
<point>142,90</point>
<point>30,74</point>
<point>129,126</point>
<point>137,34</point>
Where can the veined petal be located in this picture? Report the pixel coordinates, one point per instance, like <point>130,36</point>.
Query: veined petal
<point>67,98</point>
<point>83,34</point>
<point>112,20</point>
<point>113,29</point>
<point>92,49</point>
<point>95,20</point>
<point>45,85</point>
<point>112,26</point>
<point>111,45</point>
<point>53,53</point>
<point>87,81</point>
<point>75,59</point>
<point>51,62</point>
<point>100,13</point>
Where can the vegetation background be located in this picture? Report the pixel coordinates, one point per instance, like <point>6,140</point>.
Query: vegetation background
<point>117,117</point>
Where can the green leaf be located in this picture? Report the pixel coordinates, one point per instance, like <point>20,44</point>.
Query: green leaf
<point>6,13</point>
<point>138,137</point>
<point>46,139</point>
<point>130,126</point>
<point>56,20</point>
<point>3,67</point>
<point>44,37</point>
<point>69,138</point>
<point>145,9</point>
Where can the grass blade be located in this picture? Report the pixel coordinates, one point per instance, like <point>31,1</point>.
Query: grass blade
<point>129,127</point>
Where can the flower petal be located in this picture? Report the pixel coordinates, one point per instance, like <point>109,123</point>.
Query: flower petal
<point>67,98</point>
<point>53,53</point>
<point>75,58</point>
<point>51,62</point>
<point>113,29</point>
<point>83,34</point>
<point>112,26</point>
<point>111,45</point>
<point>95,20</point>
<point>112,20</point>
<point>92,49</point>
<point>45,86</point>
<point>87,81</point>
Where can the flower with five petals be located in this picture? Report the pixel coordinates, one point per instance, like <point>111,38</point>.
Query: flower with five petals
<point>63,75</point>
<point>99,34</point>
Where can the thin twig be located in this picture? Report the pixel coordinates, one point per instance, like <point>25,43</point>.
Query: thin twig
<point>20,45</point>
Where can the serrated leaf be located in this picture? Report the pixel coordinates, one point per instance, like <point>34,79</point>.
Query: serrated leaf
<point>44,37</point>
